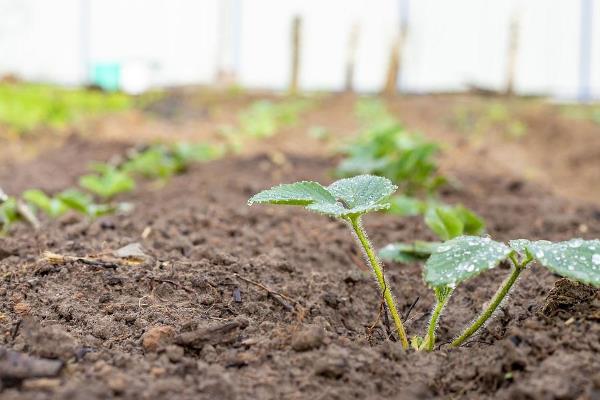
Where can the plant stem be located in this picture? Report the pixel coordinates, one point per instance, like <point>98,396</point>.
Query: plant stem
<point>387,294</point>
<point>496,300</point>
<point>429,340</point>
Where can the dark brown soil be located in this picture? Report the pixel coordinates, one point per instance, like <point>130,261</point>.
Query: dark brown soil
<point>192,322</point>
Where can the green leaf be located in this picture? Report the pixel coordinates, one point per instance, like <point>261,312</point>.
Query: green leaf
<point>444,222</point>
<point>53,207</point>
<point>408,252</point>
<point>520,245</point>
<point>344,198</point>
<point>362,190</point>
<point>473,224</point>
<point>462,258</point>
<point>407,206</point>
<point>108,183</point>
<point>296,194</point>
<point>8,213</point>
<point>576,259</point>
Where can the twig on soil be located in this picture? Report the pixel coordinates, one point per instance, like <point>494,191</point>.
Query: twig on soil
<point>59,259</point>
<point>227,332</point>
<point>277,296</point>
<point>411,308</point>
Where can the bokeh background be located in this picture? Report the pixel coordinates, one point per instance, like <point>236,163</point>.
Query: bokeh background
<point>532,47</point>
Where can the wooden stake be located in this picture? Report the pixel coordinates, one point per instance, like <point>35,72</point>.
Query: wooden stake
<point>393,71</point>
<point>351,60</point>
<point>296,43</point>
<point>513,47</point>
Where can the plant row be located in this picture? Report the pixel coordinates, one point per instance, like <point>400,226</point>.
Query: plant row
<point>98,189</point>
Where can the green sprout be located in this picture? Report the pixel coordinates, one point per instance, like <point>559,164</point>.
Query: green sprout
<point>465,257</point>
<point>153,163</point>
<point>346,199</point>
<point>447,222</point>
<point>162,162</point>
<point>264,118</point>
<point>107,182</point>
<point>8,213</point>
<point>68,200</point>
<point>51,206</point>
<point>387,149</point>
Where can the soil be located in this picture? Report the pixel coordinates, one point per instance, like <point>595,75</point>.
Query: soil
<point>232,302</point>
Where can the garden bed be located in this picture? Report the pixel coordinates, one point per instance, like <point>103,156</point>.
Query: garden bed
<point>270,303</point>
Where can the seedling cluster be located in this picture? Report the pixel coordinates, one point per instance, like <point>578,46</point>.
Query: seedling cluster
<point>448,263</point>
<point>387,149</point>
<point>108,181</point>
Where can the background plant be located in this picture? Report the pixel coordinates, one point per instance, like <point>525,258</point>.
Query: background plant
<point>386,149</point>
<point>29,106</point>
<point>162,161</point>
<point>8,213</point>
<point>65,201</point>
<point>346,199</point>
<point>264,118</point>
<point>107,182</point>
<point>447,222</point>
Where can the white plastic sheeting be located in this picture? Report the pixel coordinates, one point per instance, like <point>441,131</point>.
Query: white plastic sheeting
<point>450,44</point>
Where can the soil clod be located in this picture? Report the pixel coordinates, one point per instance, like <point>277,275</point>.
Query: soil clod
<point>221,333</point>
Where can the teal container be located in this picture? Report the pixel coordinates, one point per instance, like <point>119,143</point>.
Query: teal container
<point>107,76</point>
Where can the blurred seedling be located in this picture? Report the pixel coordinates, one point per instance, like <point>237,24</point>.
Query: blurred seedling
<point>8,213</point>
<point>69,200</point>
<point>465,257</point>
<point>389,150</point>
<point>107,182</point>
<point>447,222</point>
<point>162,162</point>
<point>264,118</point>
<point>346,199</point>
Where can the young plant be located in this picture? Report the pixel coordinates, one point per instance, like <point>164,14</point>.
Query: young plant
<point>464,257</point>
<point>347,199</point>
<point>447,222</point>
<point>67,200</point>
<point>389,150</point>
<point>264,118</point>
<point>84,204</point>
<point>51,206</point>
<point>188,153</point>
<point>107,182</point>
<point>8,212</point>
<point>153,163</point>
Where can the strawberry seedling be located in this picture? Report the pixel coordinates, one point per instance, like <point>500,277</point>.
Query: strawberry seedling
<point>53,207</point>
<point>8,212</point>
<point>153,163</point>
<point>447,222</point>
<point>107,182</point>
<point>389,150</point>
<point>465,257</point>
<point>346,199</point>
<point>68,200</point>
